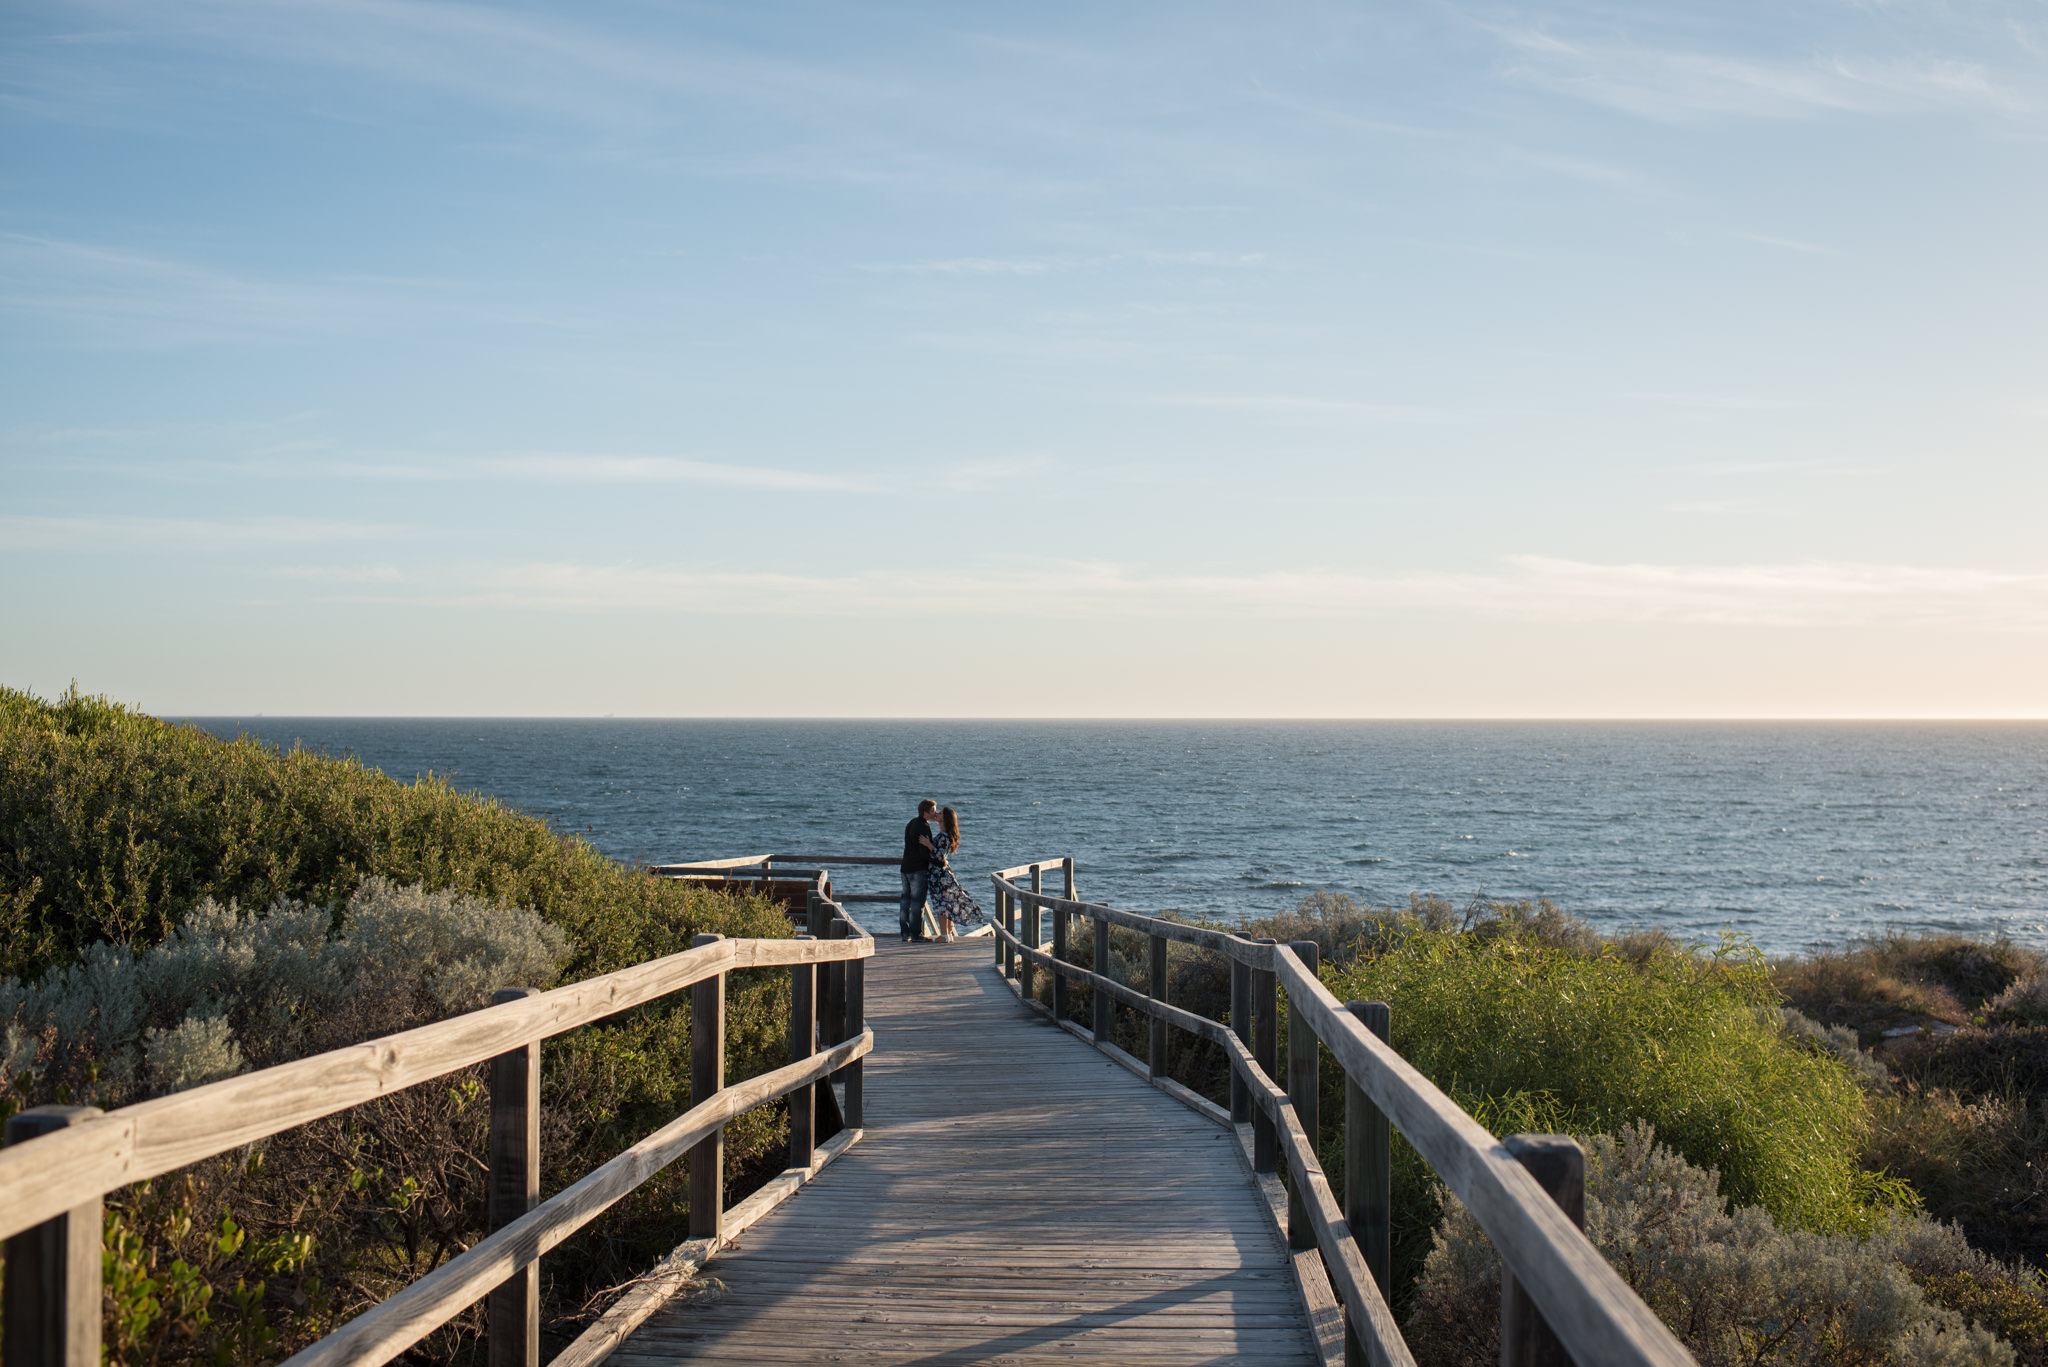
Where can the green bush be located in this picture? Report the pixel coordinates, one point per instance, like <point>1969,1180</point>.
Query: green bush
<point>1591,1042</point>
<point>113,825</point>
<point>116,827</point>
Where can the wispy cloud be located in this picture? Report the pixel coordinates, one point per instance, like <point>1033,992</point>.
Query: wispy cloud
<point>1048,265</point>
<point>345,574</point>
<point>1789,244</point>
<point>1737,403</point>
<point>569,468</point>
<point>1303,408</point>
<point>116,296</point>
<point>1522,588</point>
<point>125,533</point>
<point>492,55</point>
<point>1679,86</point>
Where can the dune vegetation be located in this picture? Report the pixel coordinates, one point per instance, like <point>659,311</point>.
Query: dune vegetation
<point>175,908</point>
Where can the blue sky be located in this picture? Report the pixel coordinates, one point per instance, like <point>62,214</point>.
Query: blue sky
<point>385,356</point>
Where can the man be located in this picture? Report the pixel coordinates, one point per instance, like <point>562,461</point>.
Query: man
<point>917,867</point>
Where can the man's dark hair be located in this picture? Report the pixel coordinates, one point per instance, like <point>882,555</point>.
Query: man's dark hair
<point>927,806</point>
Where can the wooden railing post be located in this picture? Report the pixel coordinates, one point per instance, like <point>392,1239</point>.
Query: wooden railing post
<point>1067,884</point>
<point>803,1036</point>
<point>1368,1177</point>
<point>1301,1093</point>
<point>1059,954</point>
<point>1241,1026</point>
<point>831,1003</point>
<point>1105,1024</point>
<point>851,1077</point>
<point>1156,1062</point>
<point>53,1269</point>
<point>833,1027</point>
<point>707,1079</point>
<point>1559,1167</point>
<point>1027,919</point>
<point>1266,1052</point>
<point>1002,918</point>
<point>512,1310</point>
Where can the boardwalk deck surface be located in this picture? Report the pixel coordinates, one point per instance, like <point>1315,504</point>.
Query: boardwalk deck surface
<point>1017,1198</point>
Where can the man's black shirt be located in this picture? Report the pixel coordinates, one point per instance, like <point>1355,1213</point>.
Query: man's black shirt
<point>915,855</point>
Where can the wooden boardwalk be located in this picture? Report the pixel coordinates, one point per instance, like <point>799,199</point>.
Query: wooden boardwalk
<point>1017,1197</point>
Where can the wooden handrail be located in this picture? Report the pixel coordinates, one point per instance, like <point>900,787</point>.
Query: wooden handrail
<point>57,1166</point>
<point>48,1177</point>
<point>1592,1311</point>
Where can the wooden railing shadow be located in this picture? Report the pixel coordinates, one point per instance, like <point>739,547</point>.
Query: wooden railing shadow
<point>1561,1302</point>
<point>61,1161</point>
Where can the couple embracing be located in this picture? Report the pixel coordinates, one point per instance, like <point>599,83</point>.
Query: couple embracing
<point>928,841</point>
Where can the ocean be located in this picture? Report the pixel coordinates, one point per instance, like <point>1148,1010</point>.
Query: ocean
<point>1792,834</point>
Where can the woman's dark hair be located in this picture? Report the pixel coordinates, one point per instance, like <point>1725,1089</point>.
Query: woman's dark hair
<point>949,822</point>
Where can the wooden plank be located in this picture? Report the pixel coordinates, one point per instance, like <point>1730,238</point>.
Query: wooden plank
<point>707,1076</point>
<point>53,1289</point>
<point>1124,1229</point>
<point>512,1310</point>
<point>653,1291</point>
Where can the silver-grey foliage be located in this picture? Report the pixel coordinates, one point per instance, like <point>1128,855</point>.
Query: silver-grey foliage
<point>1735,1287</point>
<point>1837,1041</point>
<point>229,990</point>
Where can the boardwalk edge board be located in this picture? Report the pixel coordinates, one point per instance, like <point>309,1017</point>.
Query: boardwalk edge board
<point>676,1271</point>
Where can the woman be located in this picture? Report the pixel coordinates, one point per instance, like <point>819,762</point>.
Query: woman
<point>950,901</point>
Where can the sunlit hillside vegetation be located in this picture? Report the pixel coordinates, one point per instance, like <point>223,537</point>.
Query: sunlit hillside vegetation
<point>174,908</point>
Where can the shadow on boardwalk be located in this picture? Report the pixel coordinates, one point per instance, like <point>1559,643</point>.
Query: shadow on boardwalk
<point>1017,1198</point>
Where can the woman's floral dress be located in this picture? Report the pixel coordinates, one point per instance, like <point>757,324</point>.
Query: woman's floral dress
<point>948,898</point>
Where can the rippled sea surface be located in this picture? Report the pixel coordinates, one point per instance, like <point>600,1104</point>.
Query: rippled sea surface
<point>1793,833</point>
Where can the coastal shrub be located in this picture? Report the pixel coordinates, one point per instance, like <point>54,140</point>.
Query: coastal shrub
<point>114,825</point>
<point>1887,981</point>
<point>199,907</point>
<point>1968,1129</point>
<point>1685,1042</point>
<point>1834,1041</point>
<point>2023,1002</point>
<point>228,990</point>
<point>1732,1284</point>
<point>1998,1061</point>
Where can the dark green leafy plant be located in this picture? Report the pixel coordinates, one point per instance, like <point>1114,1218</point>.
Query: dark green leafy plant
<point>115,826</point>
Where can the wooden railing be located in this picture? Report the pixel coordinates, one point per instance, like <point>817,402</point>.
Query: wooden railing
<point>60,1161</point>
<point>776,871</point>
<point>1561,1301</point>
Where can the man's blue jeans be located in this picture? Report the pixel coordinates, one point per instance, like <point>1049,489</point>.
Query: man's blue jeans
<point>910,916</point>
